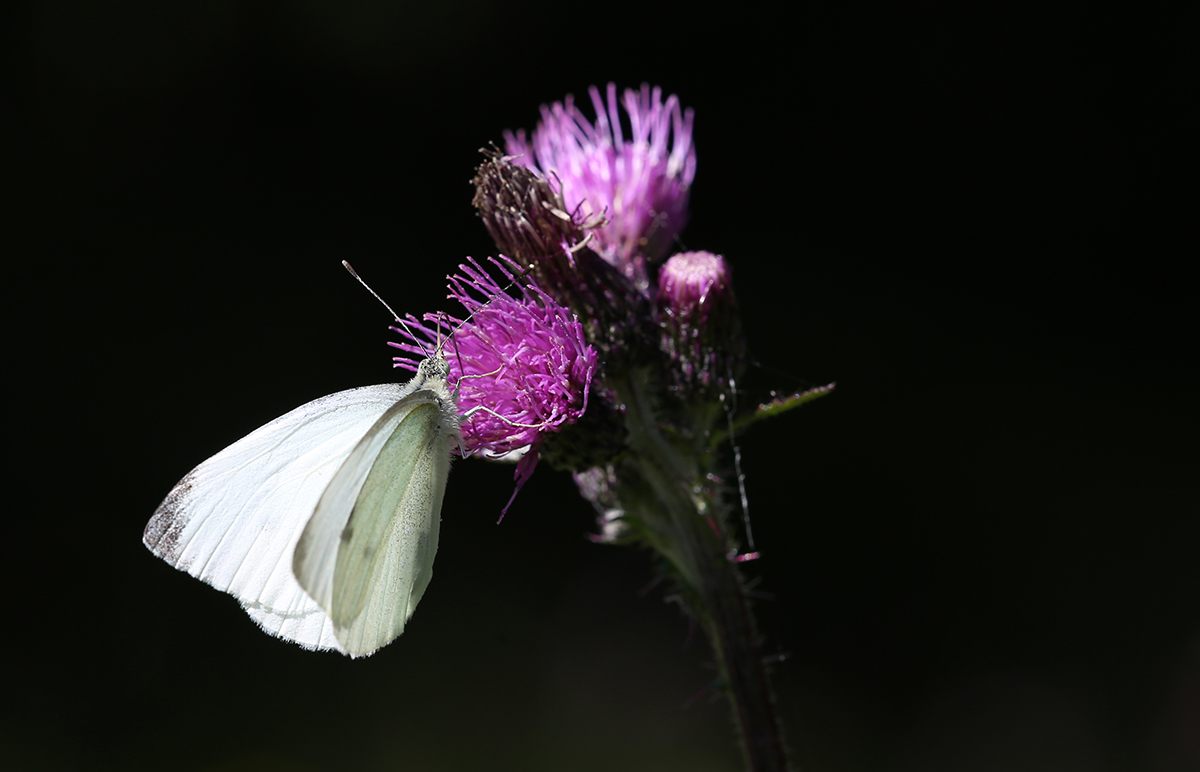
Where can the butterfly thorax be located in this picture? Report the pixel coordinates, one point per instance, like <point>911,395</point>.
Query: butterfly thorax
<point>431,377</point>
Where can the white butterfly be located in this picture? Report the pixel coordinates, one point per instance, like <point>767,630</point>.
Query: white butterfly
<point>324,522</point>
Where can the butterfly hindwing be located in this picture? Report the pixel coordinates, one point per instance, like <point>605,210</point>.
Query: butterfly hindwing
<point>367,553</point>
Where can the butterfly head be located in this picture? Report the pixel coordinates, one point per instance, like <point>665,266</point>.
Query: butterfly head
<point>433,368</point>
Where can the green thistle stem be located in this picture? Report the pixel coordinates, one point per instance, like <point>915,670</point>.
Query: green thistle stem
<point>668,503</point>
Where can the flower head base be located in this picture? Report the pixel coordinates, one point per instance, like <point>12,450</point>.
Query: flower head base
<point>639,184</point>
<point>520,367</point>
<point>702,330</point>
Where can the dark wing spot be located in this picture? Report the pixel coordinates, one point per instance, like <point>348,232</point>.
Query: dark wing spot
<point>164,529</point>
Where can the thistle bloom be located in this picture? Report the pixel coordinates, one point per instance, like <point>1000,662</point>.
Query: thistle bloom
<point>589,208</point>
<point>640,184</point>
<point>528,369</point>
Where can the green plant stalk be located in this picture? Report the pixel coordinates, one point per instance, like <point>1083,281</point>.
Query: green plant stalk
<point>670,504</point>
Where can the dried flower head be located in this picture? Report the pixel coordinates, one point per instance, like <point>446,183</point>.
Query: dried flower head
<point>525,215</point>
<point>640,184</point>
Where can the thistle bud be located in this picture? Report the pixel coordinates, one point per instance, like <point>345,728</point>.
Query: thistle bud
<point>702,332</point>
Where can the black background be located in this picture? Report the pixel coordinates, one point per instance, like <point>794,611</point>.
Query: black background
<point>979,552</point>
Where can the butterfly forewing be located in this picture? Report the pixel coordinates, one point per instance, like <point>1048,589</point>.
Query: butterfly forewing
<point>235,519</point>
<point>366,554</point>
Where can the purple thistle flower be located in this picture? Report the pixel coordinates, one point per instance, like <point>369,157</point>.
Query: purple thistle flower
<point>639,184</point>
<point>528,369</point>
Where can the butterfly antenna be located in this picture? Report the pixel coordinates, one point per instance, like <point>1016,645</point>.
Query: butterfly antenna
<point>458,356</point>
<point>441,344</point>
<point>350,268</point>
